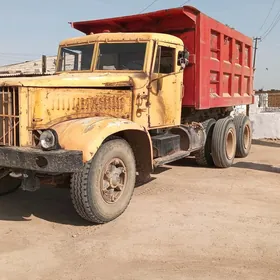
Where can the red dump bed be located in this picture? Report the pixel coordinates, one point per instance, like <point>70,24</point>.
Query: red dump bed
<point>220,73</point>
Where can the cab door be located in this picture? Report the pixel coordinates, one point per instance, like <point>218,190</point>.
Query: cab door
<point>165,95</point>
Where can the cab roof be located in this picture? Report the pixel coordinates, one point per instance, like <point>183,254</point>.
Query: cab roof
<point>115,37</point>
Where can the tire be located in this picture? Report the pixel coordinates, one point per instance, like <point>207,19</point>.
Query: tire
<point>204,157</point>
<point>9,185</point>
<point>224,143</point>
<point>244,135</point>
<point>102,206</point>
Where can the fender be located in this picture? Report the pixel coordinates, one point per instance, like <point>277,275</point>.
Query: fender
<point>88,134</point>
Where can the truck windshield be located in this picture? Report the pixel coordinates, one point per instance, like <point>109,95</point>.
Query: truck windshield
<point>121,56</point>
<point>75,58</point>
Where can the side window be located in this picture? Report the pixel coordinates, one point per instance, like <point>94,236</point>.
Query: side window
<point>165,59</point>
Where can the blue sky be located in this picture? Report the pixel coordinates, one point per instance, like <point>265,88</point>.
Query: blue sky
<point>30,28</point>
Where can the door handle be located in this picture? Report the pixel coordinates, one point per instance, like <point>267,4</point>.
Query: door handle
<point>182,90</point>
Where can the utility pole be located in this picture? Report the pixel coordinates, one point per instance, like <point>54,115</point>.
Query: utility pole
<point>256,40</point>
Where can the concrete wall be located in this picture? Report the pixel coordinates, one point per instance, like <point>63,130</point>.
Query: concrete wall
<point>240,109</point>
<point>265,124</point>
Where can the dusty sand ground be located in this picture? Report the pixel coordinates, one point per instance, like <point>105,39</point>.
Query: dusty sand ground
<point>188,223</point>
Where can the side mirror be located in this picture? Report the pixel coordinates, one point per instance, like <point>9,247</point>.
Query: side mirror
<point>183,59</point>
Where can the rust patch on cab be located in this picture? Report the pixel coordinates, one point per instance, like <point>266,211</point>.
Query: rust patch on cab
<point>71,104</point>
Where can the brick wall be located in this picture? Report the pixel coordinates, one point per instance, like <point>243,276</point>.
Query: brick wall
<point>274,99</point>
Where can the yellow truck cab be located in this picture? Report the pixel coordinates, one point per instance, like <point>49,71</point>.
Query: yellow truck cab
<point>109,86</point>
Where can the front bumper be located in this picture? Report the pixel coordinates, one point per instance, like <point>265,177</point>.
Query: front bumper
<point>23,158</point>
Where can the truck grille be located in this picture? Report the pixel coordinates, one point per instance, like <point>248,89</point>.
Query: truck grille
<point>9,116</point>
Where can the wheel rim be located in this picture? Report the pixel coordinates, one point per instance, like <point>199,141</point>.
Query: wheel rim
<point>113,180</point>
<point>247,137</point>
<point>230,144</point>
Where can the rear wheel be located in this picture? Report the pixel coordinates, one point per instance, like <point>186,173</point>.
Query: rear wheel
<point>224,143</point>
<point>203,156</point>
<point>102,192</point>
<point>244,135</point>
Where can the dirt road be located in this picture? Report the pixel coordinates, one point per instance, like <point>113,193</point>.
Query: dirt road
<point>188,223</point>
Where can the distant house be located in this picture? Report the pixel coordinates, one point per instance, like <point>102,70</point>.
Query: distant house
<point>28,68</point>
<point>271,97</point>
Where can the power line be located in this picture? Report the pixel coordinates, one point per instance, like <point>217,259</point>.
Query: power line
<point>19,54</point>
<point>148,6</point>
<point>187,3</point>
<point>272,26</point>
<point>15,59</point>
<point>271,8</point>
<point>273,22</point>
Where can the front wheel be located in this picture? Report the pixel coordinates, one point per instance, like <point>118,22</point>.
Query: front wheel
<point>8,185</point>
<point>103,191</point>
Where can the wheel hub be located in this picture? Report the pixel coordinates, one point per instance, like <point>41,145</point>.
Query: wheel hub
<point>247,139</point>
<point>114,180</point>
<point>230,144</point>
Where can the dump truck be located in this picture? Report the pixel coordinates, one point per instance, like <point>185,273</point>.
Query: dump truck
<point>130,94</point>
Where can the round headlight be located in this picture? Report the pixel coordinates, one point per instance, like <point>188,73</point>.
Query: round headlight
<point>47,140</point>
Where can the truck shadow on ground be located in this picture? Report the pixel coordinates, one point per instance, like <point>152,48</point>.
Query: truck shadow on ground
<point>55,205</point>
<point>188,162</point>
<point>48,203</point>
<point>266,143</point>
<point>257,166</point>
<point>160,170</point>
